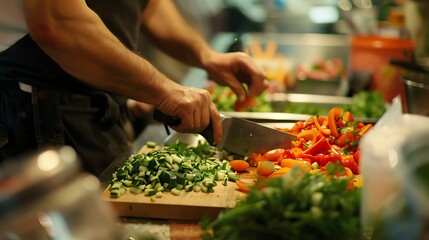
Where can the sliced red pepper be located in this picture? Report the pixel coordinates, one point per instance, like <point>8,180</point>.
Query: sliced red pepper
<point>308,157</point>
<point>356,156</point>
<point>333,115</point>
<point>256,158</point>
<point>329,158</point>
<point>321,120</point>
<point>320,146</point>
<point>348,161</point>
<point>344,139</point>
<point>288,153</point>
<point>348,117</point>
<point>340,123</point>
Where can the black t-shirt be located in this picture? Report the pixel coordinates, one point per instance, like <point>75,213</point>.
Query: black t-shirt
<point>26,62</point>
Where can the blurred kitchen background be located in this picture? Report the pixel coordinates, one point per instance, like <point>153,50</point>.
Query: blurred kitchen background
<point>345,17</point>
<point>372,44</point>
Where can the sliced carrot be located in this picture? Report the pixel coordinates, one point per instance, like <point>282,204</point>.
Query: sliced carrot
<point>243,186</point>
<point>239,165</point>
<point>265,168</point>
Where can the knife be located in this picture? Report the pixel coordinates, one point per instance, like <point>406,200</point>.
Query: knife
<point>240,136</point>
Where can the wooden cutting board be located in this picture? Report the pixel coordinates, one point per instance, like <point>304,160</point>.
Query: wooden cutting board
<point>187,206</point>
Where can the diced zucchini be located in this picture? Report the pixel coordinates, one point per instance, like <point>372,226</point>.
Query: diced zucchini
<point>175,191</point>
<point>196,188</point>
<point>159,194</point>
<point>149,192</point>
<point>150,144</point>
<point>116,185</point>
<point>136,190</point>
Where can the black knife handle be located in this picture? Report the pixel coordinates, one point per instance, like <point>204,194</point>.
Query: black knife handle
<point>207,133</point>
<point>169,120</point>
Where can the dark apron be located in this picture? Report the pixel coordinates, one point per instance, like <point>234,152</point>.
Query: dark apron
<point>62,110</point>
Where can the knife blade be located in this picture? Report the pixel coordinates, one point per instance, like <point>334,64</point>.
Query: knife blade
<point>240,136</point>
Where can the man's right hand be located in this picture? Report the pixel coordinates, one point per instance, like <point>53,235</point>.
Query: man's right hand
<point>195,109</point>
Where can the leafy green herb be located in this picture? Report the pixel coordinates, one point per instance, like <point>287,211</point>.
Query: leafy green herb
<point>294,206</point>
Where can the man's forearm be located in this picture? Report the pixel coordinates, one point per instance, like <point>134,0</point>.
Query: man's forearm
<point>163,23</point>
<point>76,38</point>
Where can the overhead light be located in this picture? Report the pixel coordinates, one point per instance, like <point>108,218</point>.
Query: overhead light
<point>323,14</point>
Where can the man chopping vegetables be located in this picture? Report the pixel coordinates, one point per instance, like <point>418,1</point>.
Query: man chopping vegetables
<point>67,69</point>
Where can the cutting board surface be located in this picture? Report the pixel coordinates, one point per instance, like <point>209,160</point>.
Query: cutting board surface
<point>187,206</point>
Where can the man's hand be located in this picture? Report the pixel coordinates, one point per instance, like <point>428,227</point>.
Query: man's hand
<point>194,108</point>
<point>234,69</point>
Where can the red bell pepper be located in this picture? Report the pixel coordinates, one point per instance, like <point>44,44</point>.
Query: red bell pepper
<point>356,156</point>
<point>348,161</point>
<point>344,139</point>
<point>329,158</point>
<point>320,146</point>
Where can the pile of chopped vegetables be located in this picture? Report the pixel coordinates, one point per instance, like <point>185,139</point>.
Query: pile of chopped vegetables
<point>173,168</point>
<point>295,206</point>
<point>309,191</point>
<point>320,141</point>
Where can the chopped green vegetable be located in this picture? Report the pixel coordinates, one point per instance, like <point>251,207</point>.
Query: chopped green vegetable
<point>173,168</point>
<point>150,144</point>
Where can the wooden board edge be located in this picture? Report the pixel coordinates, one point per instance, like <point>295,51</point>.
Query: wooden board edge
<point>165,211</point>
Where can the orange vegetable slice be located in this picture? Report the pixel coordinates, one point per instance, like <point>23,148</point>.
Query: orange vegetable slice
<point>243,186</point>
<point>333,115</point>
<point>279,172</point>
<point>305,166</point>
<point>265,168</point>
<point>239,165</point>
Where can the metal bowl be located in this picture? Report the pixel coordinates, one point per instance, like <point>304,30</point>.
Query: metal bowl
<point>417,93</point>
